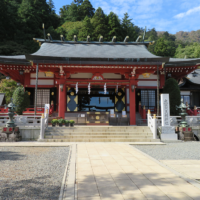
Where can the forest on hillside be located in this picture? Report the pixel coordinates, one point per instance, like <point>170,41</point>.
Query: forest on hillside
<point>21,21</point>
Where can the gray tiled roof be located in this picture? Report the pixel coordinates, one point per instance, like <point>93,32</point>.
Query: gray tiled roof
<point>72,50</point>
<point>19,57</point>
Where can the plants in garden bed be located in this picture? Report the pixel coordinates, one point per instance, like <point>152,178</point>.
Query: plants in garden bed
<point>66,122</point>
<point>61,122</point>
<point>54,122</point>
<point>71,122</point>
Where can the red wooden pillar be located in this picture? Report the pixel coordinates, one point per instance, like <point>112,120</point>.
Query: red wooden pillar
<point>27,78</point>
<point>132,102</point>
<point>62,101</point>
<point>162,81</point>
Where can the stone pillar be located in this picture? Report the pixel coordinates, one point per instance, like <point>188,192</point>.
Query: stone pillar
<point>42,128</point>
<point>167,131</point>
<point>62,101</point>
<point>132,103</point>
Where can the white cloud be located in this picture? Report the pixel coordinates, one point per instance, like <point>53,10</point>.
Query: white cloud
<point>189,12</point>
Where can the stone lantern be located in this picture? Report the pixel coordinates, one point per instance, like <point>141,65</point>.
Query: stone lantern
<point>185,132</point>
<point>182,112</point>
<point>10,132</point>
<point>11,113</point>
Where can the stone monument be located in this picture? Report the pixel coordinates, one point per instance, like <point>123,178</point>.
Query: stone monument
<point>10,132</point>
<point>167,131</point>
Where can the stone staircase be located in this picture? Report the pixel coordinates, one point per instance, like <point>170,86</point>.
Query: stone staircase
<point>100,134</point>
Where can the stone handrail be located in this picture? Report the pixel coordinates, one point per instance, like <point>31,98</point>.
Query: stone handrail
<point>22,120</point>
<point>152,124</point>
<point>174,121</point>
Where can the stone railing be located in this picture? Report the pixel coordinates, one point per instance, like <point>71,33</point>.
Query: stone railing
<point>22,120</point>
<point>174,120</point>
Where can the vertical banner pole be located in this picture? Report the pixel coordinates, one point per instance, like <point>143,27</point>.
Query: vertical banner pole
<point>157,91</point>
<point>36,85</point>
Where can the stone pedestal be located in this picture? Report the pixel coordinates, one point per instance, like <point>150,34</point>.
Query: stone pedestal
<point>186,134</point>
<point>168,133</point>
<point>10,134</point>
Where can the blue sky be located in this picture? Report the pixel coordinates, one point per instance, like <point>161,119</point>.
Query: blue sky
<point>163,15</point>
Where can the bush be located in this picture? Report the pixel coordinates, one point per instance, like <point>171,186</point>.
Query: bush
<point>61,121</point>
<point>71,121</point>
<point>54,121</point>
<point>171,87</point>
<point>66,121</point>
<point>21,99</point>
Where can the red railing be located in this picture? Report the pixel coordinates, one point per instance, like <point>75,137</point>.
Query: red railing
<point>28,111</point>
<point>143,111</point>
<point>193,112</point>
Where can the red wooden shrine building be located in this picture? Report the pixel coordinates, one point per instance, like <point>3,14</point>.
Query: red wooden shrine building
<point>82,77</point>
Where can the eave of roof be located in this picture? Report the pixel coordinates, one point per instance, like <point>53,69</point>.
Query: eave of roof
<point>146,43</point>
<point>19,60</point>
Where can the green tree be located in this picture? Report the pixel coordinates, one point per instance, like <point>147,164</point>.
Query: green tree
<point>128,28</point>
<point>71,33</point>
<point>86,9</point>
<point>8,87</point>
<point>51,6</point>
<point>8,19</point>
<point>190,51</point>
<point>151,35</point>
<point>70,13</point>
<point>164,48</point>
<point>78,2</point>
<point>99,22</point>
<point>21,100</point>
<point>86,30</point>
<point>171,87</point>
<point>114,27</point>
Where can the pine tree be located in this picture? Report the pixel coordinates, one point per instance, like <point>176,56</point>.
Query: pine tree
<point>51,6</point>
<point>128,28</point>
<point>99,22</point>
<point>78,2</point>
<point>86,9</point>
<point>86,30</point>
<point>171,87</point>
<point>114,27</point>
<point>71,13</point>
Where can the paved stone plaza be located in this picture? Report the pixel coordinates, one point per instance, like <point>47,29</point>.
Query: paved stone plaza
<point>104,171</point>
<point>183,157</point>
<point>118,171</point>
<point>31,172</point>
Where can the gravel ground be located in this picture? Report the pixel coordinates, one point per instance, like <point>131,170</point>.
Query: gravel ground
<point>29,173</point>
<point>172,151</point>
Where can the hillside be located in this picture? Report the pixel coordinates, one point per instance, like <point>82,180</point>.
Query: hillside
<point>193,36</point>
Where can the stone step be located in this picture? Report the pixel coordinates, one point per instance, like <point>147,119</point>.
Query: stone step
<point>101,128</point>
<point>101,140</point>
<point>96,136</point>
<point>96,130</point>
<point>97,133</point>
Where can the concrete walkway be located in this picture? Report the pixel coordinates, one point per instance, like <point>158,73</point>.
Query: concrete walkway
<point>188,168</point>
<point>120,172</point>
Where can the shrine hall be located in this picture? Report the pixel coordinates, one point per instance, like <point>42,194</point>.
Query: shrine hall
<point>79,78</point>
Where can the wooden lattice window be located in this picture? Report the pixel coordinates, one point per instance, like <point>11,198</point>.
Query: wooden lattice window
<point>43,97</point>
<point>148,98</point>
